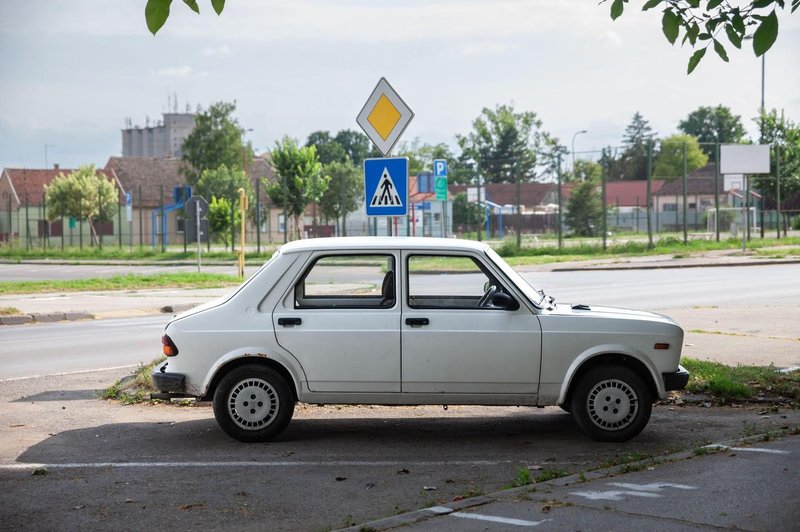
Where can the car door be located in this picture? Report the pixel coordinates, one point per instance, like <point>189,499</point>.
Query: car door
<point>341,320</point>
<point>452,342</point>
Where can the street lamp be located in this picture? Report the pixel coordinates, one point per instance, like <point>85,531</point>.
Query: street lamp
<point>573,147</point>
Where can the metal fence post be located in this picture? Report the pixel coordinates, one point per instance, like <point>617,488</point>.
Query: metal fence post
<point>685,200</point>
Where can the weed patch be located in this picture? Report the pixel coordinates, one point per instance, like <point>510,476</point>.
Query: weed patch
<point>135,388</point>
<point>741,383</point>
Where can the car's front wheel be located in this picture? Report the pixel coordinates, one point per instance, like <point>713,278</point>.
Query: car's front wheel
<point>253,403</point>
<point>611,403</point>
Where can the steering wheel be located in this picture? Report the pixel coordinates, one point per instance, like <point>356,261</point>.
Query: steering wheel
<point>486,299</point>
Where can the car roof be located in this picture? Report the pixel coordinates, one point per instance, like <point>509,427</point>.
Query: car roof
<point>381,243</point>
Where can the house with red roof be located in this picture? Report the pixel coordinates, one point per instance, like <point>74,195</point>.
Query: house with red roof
<point>23,212</point>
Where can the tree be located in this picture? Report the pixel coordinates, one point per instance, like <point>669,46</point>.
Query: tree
<point>464,212</point>
<point>297,178</point>
<point>585,169</point>
<point>83,194</point>
<point>215,140</point>
<point>421,156</point>
<point>223,182</point>
<point>220,220</point>
<point>328,149</point>
<point>703,26</point>
<point>669,159</point>
<point>584,210</point>
<point>504,144</point>
<point>712,125</point>
<point>344,193</point>
<point>784,135</point>
<point>156,12</point>
<point>632,163</point>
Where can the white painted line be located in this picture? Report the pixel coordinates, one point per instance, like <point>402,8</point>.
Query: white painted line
<point>747,449</point>
<point>497,519</point>
<point>759,450</point>
<point>132,465</point>
<point>658,486</point>
<point>67,373</point>
<point>440,510</point>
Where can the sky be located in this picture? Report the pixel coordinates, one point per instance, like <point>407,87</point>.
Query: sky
<point>71,73</point>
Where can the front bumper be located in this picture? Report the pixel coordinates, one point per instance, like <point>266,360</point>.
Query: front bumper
<point>676,380</point>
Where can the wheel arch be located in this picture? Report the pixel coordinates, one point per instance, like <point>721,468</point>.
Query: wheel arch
<point>634,361</point>
<point>243,360</point>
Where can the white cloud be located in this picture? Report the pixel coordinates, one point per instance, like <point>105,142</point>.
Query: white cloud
<point>183,72</point>
<point>611,38</point>
<point>222,50</point>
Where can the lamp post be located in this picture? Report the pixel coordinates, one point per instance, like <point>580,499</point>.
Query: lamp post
<point>573,147</point>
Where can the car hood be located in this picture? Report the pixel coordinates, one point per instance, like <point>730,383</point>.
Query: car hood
<point>598,311</point>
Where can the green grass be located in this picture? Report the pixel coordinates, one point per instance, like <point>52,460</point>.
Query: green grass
<point>113,252</point>
<point>9,311</point>
<point>523,477</point>
<point>740,383</point>
<point>136,388</point>
<point>122,282</point>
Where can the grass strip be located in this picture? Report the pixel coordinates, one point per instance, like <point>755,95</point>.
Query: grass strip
<point>135,388</point>
<point>122,282</point>
<point>9,311</point>
<point>741,383</point>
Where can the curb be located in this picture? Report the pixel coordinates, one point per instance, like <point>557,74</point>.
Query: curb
<point>416,516</point>
<point>612,267</point>
<point>52,317</point>
<point>45,317</point>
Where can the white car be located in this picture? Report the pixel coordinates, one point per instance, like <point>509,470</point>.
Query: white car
<point>408,321</point>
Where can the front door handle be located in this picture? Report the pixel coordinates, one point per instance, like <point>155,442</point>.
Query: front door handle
<point>417,321</point>
<point>286,322</point>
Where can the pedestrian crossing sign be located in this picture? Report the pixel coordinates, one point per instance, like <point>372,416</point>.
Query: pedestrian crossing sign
<point>386,186</point>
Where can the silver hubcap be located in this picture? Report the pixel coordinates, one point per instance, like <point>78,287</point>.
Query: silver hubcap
<point>612,404</point>
<point>253,404</point>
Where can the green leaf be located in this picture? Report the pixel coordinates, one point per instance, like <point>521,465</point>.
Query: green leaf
<point>704,36</point>
<point>650,4</point>
<point>765,35</point>
<point>712,4</point>
<point>192,5</point>
<point>761,4</point>
<point>156,13</point>
<point>218,6</point>
<point>695,60</point>
<point>720,50</point>
<point>670,25</point>
<point>733,37</point>
<point>616,9</point>
<point>738,23</point>
<point>693,3</point>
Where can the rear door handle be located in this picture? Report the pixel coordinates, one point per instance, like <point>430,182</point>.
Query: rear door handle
<point>417,321</point>
<point>286,322</point>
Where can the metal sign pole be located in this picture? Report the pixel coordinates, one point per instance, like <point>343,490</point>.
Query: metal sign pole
<point>198,208</point>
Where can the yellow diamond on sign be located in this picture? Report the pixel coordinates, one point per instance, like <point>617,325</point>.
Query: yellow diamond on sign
<point>384,117</point>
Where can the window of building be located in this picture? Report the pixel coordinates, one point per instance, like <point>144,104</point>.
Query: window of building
<point>670,207</point>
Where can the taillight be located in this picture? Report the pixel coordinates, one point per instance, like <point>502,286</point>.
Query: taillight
<point>168,346</point>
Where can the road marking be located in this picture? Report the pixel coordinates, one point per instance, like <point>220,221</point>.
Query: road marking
<point>651,487</point>
<point>498,519</point>
<point>747,449</point>
<point>67,373</point>
<point>759,450</point>
<point>356,463</point>
<point>635,490</point>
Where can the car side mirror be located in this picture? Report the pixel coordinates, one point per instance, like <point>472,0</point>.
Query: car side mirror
<point>504,301</point>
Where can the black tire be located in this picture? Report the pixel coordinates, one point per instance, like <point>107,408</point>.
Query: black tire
<point>611,403</point>
<point>253,403</point>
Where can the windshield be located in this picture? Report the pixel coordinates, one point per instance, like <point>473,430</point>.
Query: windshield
<point>537,297</point>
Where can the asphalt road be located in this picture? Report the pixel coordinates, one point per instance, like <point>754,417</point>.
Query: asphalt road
<point>66,347</point>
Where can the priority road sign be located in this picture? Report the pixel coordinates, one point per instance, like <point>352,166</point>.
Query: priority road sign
<point>386,186</point>
<point>384,117</point>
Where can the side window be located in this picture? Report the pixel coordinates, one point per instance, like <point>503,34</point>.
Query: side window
<point>348,281</point>
<point>447,281</point>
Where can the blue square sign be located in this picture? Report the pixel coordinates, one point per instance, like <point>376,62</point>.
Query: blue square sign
<point>386,186</point>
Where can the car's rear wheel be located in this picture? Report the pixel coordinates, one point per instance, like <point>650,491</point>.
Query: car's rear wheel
<point>611,403</point>
<point>253,403</point>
